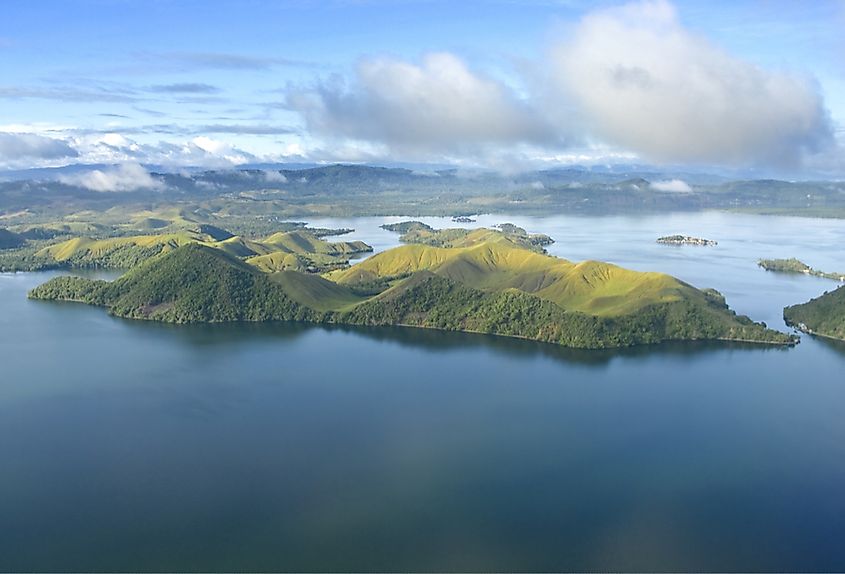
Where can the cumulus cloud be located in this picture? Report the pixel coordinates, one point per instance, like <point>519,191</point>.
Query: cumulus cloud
<point>644,82</point>
<point>26,146</point>
<point>125,177</point>
<point>671,185</point>
<point>437,105</point>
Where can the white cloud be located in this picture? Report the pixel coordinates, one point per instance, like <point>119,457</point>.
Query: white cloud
<point>116,140</point>
<point>438,105</point>
<point>201,151</point>
<point>273,176</point>
<point>125,177</point>
<point>671,185</point>
<point>28,146</point>
<point>644,82</point>
<point>212,152</point>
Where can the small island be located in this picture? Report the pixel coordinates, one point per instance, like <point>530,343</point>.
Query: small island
<point>406,226</point>
<point>793,265</point>
<point>418,232</point>
<point>463,219</point>
<point>685,240</point>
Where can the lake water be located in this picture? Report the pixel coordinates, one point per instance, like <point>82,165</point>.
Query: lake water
<point>134,446</point>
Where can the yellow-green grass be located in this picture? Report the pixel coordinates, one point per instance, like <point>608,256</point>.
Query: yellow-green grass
<point>590,287</point>
<point>316,292</point>
<point>269,255</point>
<point>95,247</point>
<point>300,241</point>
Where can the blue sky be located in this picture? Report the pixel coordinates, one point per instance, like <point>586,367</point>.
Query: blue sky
<point>748,85</point>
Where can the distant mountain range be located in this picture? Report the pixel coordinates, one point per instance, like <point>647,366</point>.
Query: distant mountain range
<point>344,190</point>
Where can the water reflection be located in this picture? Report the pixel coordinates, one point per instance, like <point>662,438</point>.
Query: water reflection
<point>834,345</point>
<point>433,341</point>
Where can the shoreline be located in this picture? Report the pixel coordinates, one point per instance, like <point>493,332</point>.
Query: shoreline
<point>787,344</point>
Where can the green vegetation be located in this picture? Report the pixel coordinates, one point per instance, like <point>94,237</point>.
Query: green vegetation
<point>685,240</point>
<point>193,283</point>
<point>824,315</point>
<point>793,265</point>
<point>427,300</point>
<point>535,239</point>
<point>407,226</point>
<point>297,248</point>
<point>495,286</point>
<point>9,240</point>
<point>417,232</point>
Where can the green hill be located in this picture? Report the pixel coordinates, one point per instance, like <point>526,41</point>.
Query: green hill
<point>193,283</point>
<point>9,240</point>
<point>115,252</point>
<point>824,315</point>
<point>495,288</point>
<point>315,292</point>
<point>427,300</point>
<point>268,254</point>
<point>589,287</point>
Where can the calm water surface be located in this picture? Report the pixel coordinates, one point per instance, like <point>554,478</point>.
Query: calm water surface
<point>134,446</point>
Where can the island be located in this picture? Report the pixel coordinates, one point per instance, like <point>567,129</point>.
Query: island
<point>406,226</point>
<point>793,265</point>
<point>823,316</point>
<point>418,232</point>
<point>685,240</point>
<point>486,281</point>
<point>463,219</point>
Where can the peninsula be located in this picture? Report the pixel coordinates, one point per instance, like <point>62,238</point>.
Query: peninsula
<point>485,281</point>
<point>793,265</point>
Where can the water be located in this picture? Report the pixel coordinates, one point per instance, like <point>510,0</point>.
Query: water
<point>133,446</point>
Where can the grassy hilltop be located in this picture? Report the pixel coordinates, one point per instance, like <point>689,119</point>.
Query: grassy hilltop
<point>300,248</point>
<point>492,286</point>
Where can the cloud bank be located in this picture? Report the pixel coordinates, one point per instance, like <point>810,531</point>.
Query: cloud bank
<point>644,82</point>
<point>23,146</point>
<point>122,178</point>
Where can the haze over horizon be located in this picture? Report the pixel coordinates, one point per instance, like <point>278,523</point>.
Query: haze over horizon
<point>747,87</point>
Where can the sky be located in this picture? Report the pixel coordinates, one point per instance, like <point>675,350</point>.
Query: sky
<point>747,86</point>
